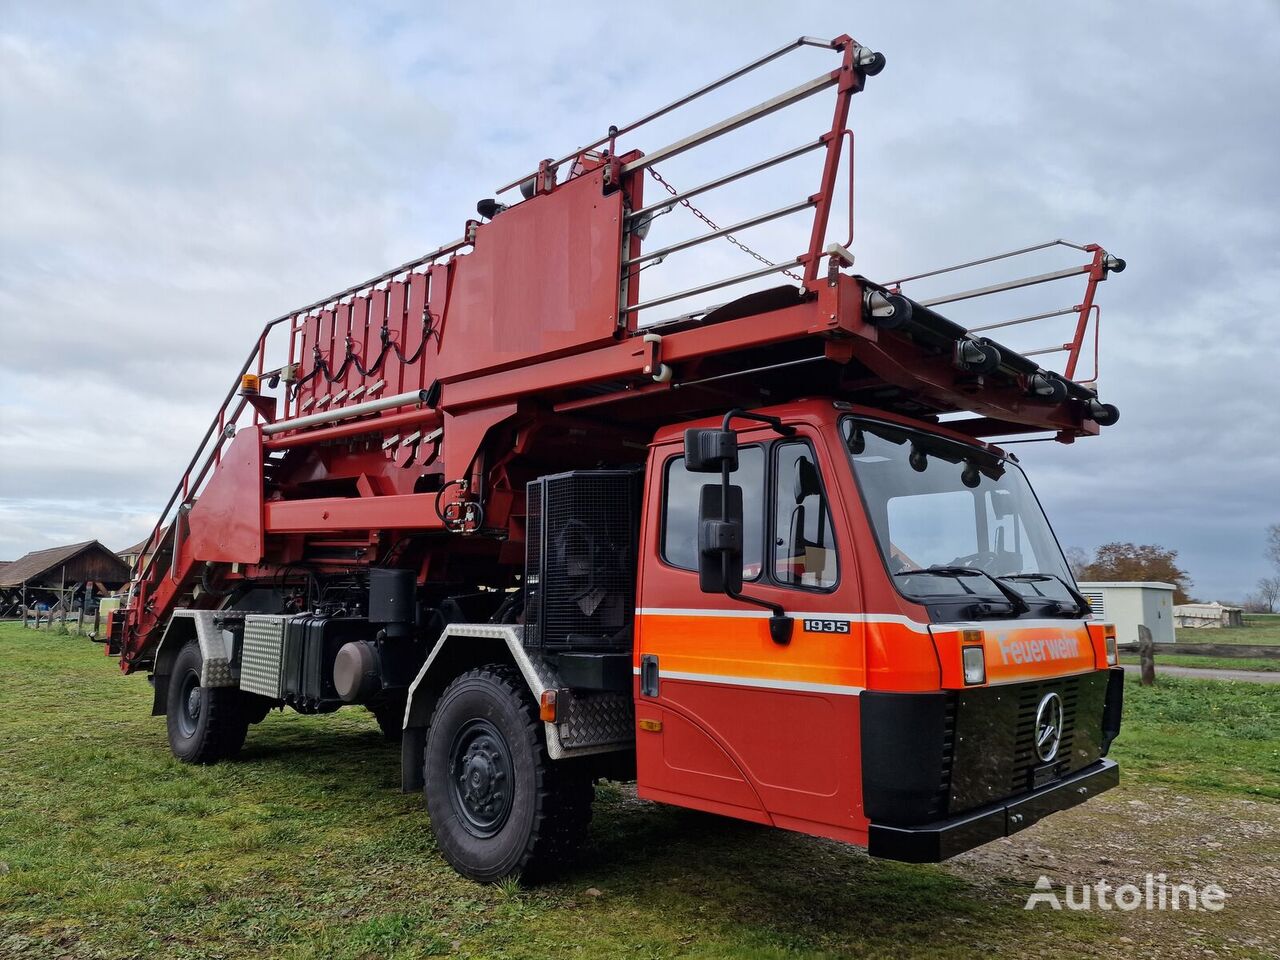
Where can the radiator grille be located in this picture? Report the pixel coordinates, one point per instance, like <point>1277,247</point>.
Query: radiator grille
<point>940,804</point>
<point>994,755</point>
<point>1027,766</point>
<point>580,560</point>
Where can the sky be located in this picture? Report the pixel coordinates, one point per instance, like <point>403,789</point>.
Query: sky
<point>173,175</point>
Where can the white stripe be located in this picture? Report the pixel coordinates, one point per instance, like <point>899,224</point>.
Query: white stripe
<point>798,685</point>
<point>797,614</point>
<point>916,625</point>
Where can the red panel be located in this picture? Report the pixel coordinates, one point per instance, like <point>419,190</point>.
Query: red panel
<point>226,521</point>
<point>415,373</point>
<point>393,369</point>
<point>359,338</point>
<point>541,280</point>
<point>341,327</point>
<point>323,387</point>
<point>377,317</point>
<point>402,512</point>
<point>306,358</point>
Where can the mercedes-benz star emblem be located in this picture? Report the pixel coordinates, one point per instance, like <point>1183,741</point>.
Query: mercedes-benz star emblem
<point>1048,727</point>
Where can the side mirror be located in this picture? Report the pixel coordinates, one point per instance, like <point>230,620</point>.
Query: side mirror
<point>1002,503</point>
<point>720,538</point>
<point>709,451</point>
<point>805,483</point>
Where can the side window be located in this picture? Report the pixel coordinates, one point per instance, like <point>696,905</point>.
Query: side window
<point>680,511</point>
<point>804,549</point>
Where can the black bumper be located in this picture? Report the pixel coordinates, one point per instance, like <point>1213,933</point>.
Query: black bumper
<point>941,839</point>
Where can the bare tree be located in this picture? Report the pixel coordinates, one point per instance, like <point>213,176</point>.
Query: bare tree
<point>1269,592</point>
<point>1272,549</point>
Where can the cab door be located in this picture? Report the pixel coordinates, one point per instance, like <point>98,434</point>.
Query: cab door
<point>729,720</point>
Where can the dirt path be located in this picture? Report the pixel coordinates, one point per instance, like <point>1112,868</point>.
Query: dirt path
<point>1206,673</point>
<point>1138,829</point>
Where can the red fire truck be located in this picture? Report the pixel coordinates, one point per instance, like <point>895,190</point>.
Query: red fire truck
<point>552,522</point>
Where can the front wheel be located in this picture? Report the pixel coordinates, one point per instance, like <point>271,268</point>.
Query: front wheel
<point>206,724</point>
<point>499,806</point>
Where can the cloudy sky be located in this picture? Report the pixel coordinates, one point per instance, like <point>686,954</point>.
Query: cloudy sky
<point>173,175</point>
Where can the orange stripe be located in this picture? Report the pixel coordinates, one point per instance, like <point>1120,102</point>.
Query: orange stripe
<point>901,658</point>
<point>742,647</point>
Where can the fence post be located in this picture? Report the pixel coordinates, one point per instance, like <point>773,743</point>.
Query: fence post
<point>1147,654</point>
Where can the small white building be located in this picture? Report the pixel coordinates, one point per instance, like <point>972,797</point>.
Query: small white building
<point>1128,604</point>
<point>1208,615</point>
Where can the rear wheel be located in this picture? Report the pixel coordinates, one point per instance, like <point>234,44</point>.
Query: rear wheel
<point>499,805</point>
<point>206,724</point>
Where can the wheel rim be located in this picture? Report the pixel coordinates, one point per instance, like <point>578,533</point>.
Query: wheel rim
<point>190,703</point>
<point>481,785</point>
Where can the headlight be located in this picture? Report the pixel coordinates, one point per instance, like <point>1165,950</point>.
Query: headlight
<point>975,665</point>
<point>1109,633</point>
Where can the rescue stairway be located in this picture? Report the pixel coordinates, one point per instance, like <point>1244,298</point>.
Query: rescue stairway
<point>404,402</point>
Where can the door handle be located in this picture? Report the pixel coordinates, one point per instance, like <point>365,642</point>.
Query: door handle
<point>648,675</point>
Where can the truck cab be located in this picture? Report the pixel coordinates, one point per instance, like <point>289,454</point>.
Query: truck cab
<point>939,683</point>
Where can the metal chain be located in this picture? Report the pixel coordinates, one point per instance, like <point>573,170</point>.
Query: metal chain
<point>684,202</point>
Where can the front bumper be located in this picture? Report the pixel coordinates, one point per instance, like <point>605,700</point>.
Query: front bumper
<point>941,839</point>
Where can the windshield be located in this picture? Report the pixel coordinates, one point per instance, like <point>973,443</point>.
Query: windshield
<point>954,522</point>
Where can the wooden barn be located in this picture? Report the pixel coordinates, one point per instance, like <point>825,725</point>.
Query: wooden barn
<point>75,571</point>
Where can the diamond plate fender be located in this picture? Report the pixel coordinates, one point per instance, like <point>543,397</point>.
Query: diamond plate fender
<point>592,722</point>
<point>217,647</point>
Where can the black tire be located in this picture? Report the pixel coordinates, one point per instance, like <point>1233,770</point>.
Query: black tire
<point>484,736</point>
<point>206,724</point>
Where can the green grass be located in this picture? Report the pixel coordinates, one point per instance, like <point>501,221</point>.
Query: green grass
<point>1258,628</point>
<point>1218,735</point>
<point>1207,663</point>
<point>110,848</point>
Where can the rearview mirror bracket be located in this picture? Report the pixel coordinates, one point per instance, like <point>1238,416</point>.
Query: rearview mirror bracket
<point>720,519</point>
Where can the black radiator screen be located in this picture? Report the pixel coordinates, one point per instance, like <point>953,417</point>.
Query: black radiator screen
<point>580,560</point>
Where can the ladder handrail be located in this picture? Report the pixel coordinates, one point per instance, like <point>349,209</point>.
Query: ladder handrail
<point>618,131</point>
<point>142,571</point>
<point>1095,270</point>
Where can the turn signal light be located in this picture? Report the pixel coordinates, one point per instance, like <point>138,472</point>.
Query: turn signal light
<point>548,706</point>
<point>975,665</point>
<point>651,726</point>
<point>1109,634</point>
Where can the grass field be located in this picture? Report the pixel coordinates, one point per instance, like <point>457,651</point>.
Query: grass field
<point>1206,663</point>
<point>109,848</point>
<point>1258,628</point>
